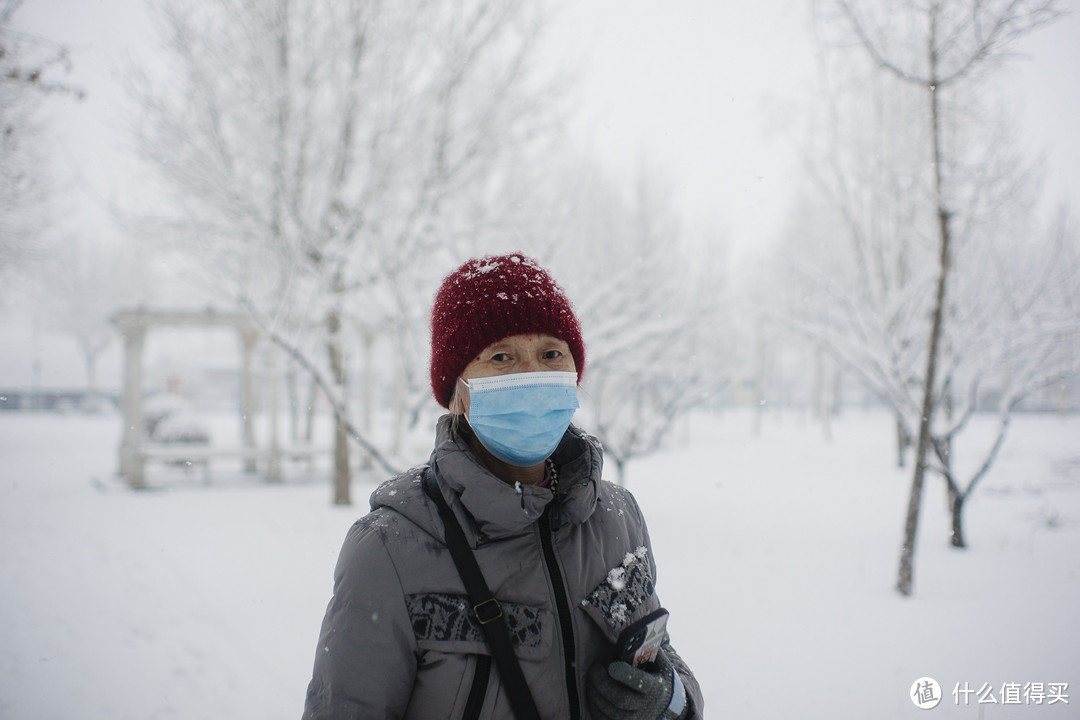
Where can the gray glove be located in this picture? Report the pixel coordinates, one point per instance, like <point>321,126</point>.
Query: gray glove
<point>623,692</point>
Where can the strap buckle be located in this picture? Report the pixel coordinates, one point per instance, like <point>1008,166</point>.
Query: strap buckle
<point>488,611</point>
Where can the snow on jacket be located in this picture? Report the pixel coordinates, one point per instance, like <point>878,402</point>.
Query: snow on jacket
<point>570,569</point>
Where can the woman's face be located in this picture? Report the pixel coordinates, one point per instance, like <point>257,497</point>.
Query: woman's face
<point>514,354</point>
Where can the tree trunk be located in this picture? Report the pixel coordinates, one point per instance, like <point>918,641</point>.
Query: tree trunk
<point>620,471</point>
<point>957,499</point>
<point>273,469</point>
<point>905,575</point>
<point>294,404</point>
<point>823,401</point>
<point>368,392</point>
<point>309,417</point>
<point>400,395</point>
<point>248,341</point>
<point>342,473</point>
<point>956,508</point>
<point>90,359</point>
<point>91,402</point>
<point>903,443</point>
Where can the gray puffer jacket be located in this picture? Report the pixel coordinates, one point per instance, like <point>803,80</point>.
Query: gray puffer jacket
<point>570,571</point>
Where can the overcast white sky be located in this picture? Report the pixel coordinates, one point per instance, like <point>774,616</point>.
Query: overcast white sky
<point>712,89</point>
<point>704,89</point>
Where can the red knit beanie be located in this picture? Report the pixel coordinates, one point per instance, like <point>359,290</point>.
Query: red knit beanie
<point>491,298</point>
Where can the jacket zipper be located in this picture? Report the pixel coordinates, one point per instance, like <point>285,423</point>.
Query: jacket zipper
<point>562,604</point>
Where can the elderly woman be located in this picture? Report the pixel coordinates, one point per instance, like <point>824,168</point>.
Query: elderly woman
<point>495,581</point>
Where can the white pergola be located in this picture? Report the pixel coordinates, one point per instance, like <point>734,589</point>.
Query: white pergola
<point>134,451</point>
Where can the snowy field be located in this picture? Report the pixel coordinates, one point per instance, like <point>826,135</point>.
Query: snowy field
<point>777,557</point>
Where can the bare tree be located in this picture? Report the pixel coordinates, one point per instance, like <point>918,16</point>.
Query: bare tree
<point>939,51</point>
<point>1033,345</point>
<point>650,307</point>
<point>79,291</point>
<point>320,154</point>
<point>29,68</point>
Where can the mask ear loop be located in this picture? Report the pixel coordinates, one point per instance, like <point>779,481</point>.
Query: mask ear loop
<point>466,398</point>
<point>462,400</point>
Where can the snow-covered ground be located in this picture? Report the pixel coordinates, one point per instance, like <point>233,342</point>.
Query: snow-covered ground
<point>777,557</point>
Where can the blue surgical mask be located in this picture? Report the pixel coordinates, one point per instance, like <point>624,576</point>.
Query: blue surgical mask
<point>520,418</point>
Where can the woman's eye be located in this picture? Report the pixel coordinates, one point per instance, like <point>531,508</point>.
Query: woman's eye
<point>552,355</point>
<point>500,357</point>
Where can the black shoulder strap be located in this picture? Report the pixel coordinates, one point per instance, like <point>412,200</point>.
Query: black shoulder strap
<point>486,608</point>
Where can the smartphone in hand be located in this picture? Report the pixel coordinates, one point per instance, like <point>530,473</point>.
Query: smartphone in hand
<point>640,642</point>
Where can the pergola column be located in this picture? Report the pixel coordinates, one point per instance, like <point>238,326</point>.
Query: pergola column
<point>248,339</point>
<point>273,470</point>
<point>131,459</point>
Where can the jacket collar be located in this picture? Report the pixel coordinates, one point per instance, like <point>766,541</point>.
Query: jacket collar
<point>499,510</point>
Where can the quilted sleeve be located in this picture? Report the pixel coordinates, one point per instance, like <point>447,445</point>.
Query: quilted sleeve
<point>365,662</point>
<point>693,688</point>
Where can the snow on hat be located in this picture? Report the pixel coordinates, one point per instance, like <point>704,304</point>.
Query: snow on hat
<point>491,298</point>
